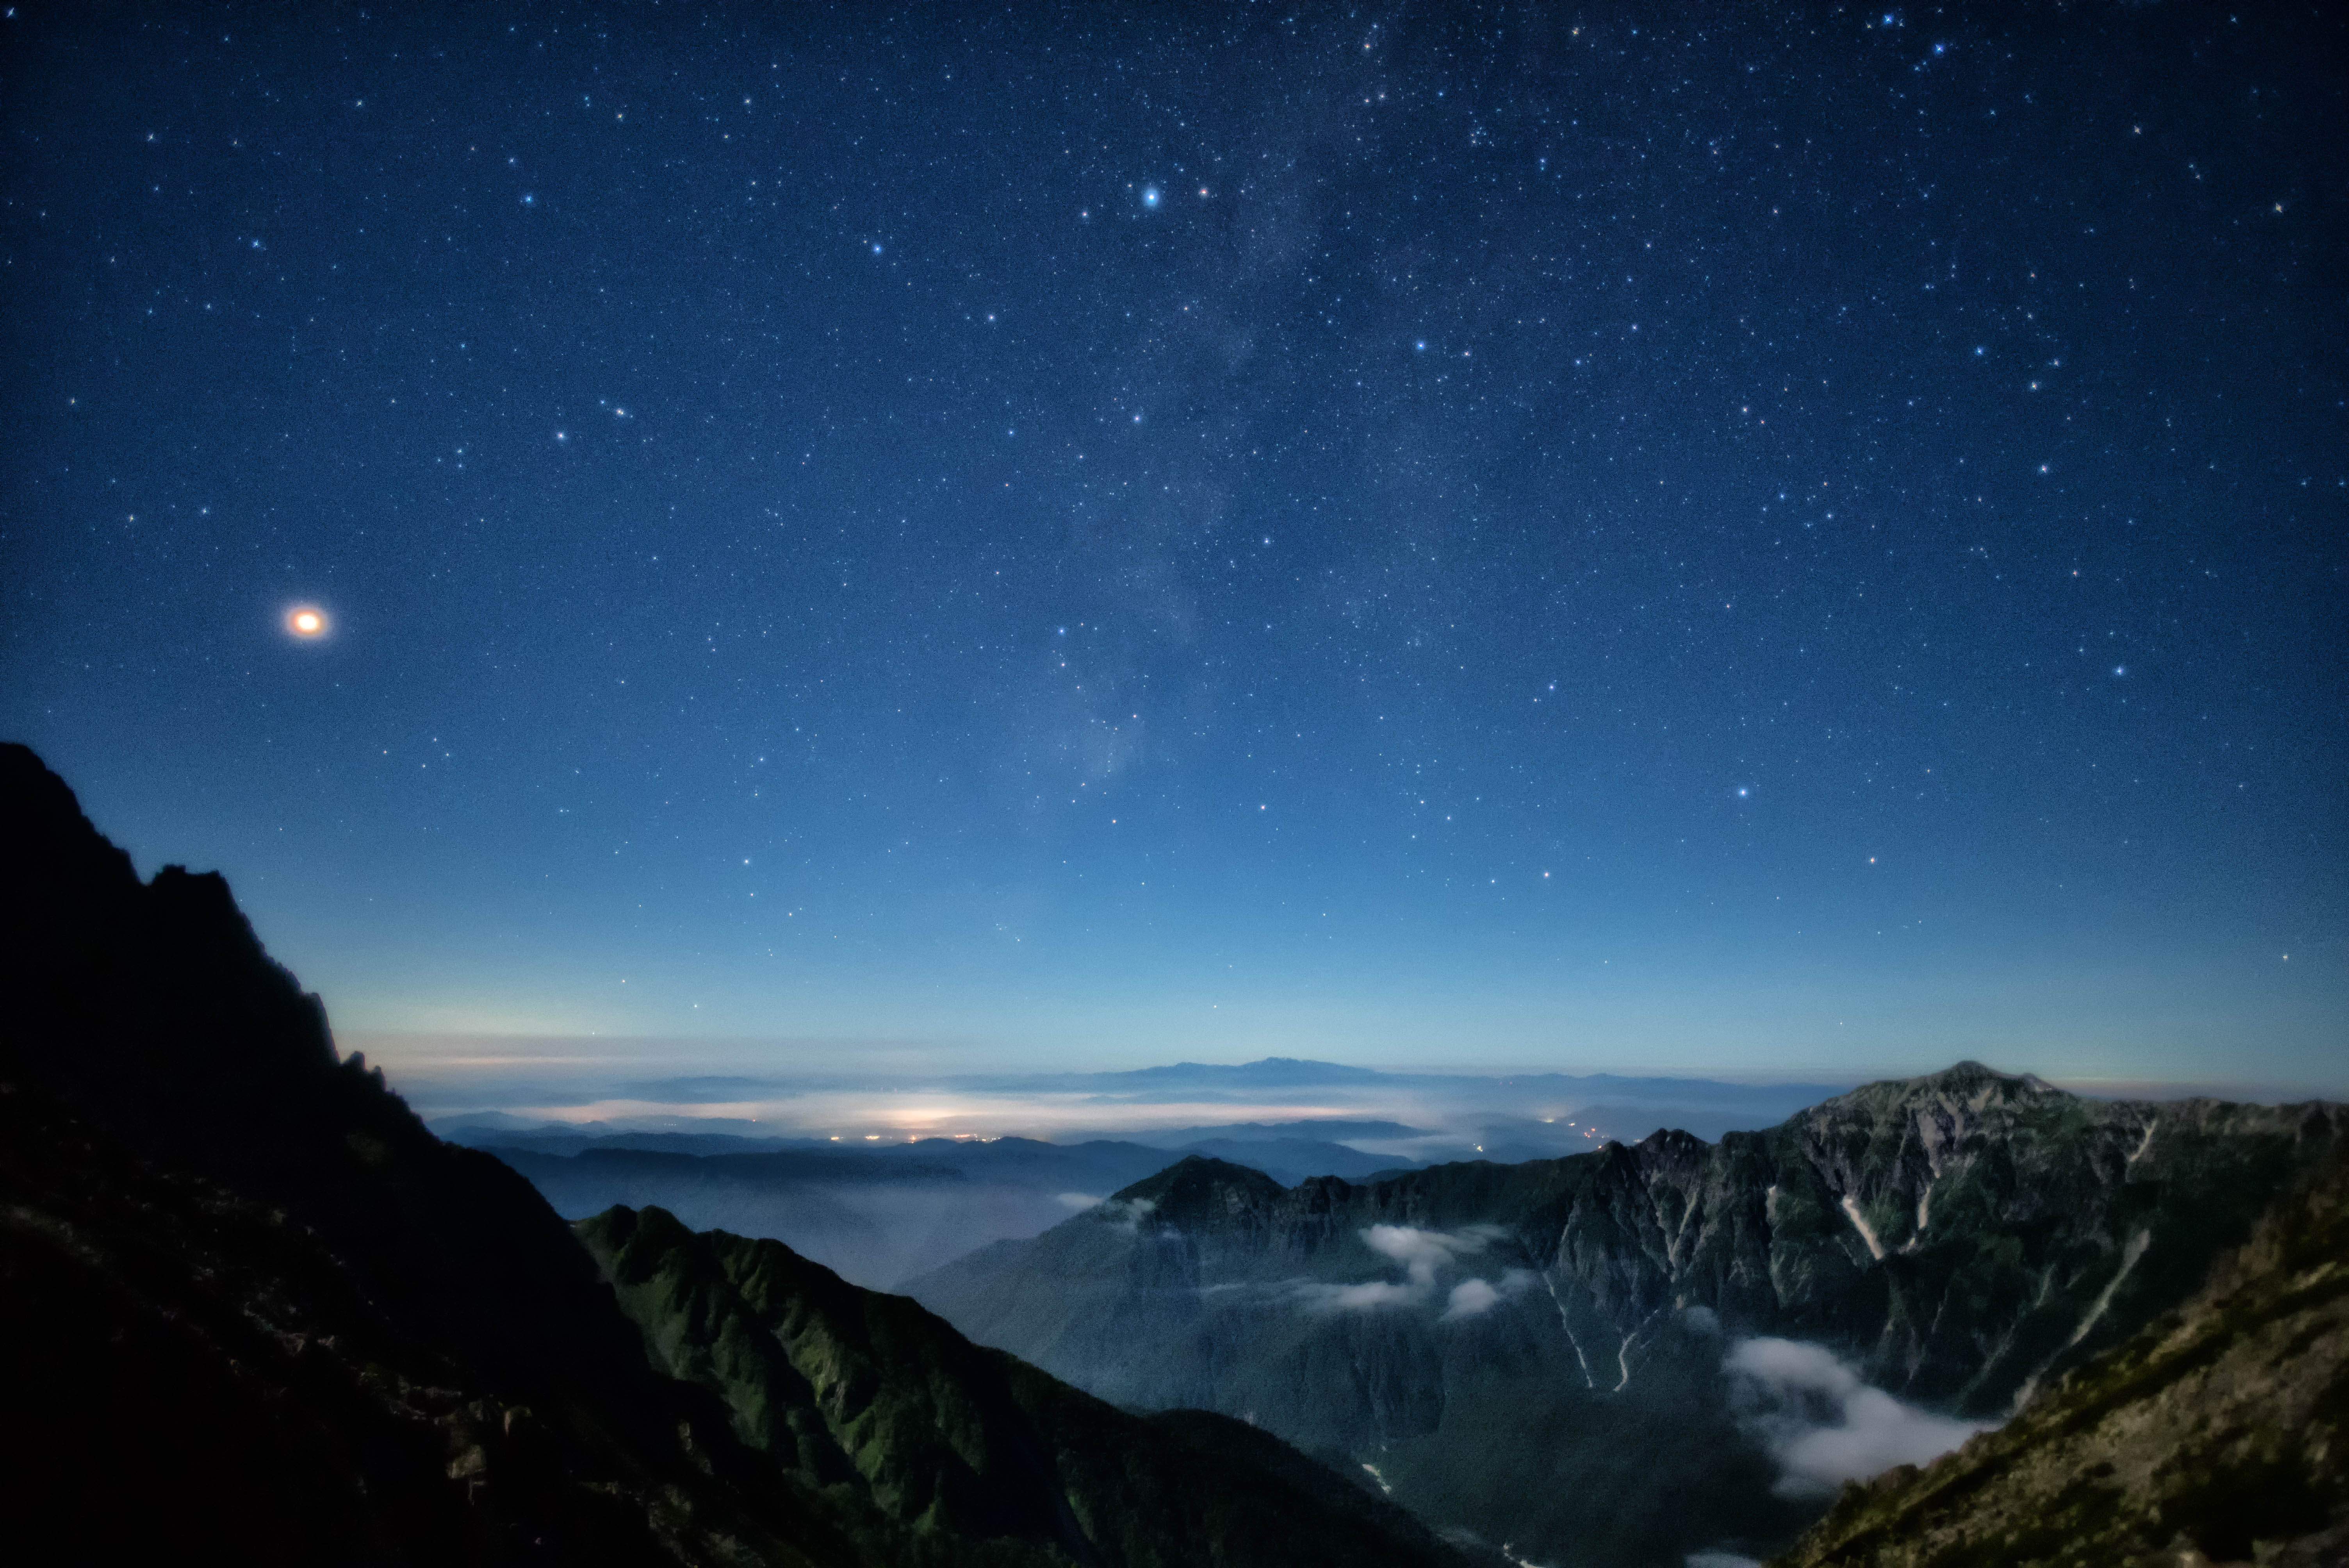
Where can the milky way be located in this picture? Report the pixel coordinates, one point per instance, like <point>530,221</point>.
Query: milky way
<point>1673,540</point>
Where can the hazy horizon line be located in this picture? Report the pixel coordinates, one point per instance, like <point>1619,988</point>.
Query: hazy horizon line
<point>612,1080</point>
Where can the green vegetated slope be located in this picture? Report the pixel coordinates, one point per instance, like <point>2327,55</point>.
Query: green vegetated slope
<point>1961,1237</point>
<point>2218,1433</point>
<point>251,1310</point>
<point>890,1410</point>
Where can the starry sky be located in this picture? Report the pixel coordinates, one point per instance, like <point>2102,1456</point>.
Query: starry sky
<point>1806,541</point>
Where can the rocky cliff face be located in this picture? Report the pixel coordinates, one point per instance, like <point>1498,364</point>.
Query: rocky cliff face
<point>2218,1433</point>
<point>251,1310</point>
<point>1536,1351</point>
<point>1964,1235</point>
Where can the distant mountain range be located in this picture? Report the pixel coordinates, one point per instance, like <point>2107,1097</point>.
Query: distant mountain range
<point>1289,1153</point>
<point>1544,1353</point>
<point>251,1310</point>
<point>882,1211</point>
<point>877,1213</point>
<point>1410,1118</point>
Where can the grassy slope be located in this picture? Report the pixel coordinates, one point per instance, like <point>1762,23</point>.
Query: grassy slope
<point>928,1438</point>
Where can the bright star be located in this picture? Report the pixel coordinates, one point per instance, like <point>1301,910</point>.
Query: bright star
<point>1151,196</point>
<point>306,622</point>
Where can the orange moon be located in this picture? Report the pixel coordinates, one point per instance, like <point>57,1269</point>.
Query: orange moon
<point>305,622</point>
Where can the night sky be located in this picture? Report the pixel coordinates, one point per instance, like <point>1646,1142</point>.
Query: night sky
<point>1803,541</point>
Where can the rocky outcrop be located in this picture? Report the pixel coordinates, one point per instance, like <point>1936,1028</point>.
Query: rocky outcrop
<point>2218,1433</point>
<point>1962,1238</point>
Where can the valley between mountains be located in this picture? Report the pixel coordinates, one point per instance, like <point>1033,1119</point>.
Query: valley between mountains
<point>1547,1354</point>
<point>252,1308</point>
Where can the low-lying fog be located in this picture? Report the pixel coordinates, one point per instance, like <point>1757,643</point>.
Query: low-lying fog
<point>882,1179</point>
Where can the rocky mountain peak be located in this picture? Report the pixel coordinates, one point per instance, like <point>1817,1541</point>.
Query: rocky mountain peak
<point>1670,1147</point>
<point>1968,1085</point>
<point>1198,1191</point>
<point>1955,1240</point>
<point>52,846</point>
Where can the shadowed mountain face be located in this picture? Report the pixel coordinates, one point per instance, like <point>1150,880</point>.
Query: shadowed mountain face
<point>251,1310</point>
<point>192,1375</point>
<point>2218,1433</point>
<point>1537,1351</point>
<point>872,1397</point>
<point>308,1267</point>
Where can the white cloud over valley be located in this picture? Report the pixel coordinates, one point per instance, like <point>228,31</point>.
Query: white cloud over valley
<point>1825,1424</point>
<point>1471,1297</point>
<point>1424,1254</point>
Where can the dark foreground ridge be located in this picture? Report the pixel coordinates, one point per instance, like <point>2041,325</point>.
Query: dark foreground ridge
<point>252,1309</point>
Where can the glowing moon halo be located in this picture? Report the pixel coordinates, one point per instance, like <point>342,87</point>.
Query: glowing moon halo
<point>306,622</point>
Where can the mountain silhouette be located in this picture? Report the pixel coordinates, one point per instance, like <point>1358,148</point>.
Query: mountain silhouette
<point>254,1310</point>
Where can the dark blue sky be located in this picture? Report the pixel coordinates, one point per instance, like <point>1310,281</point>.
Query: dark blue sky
<point>1803,541</point>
